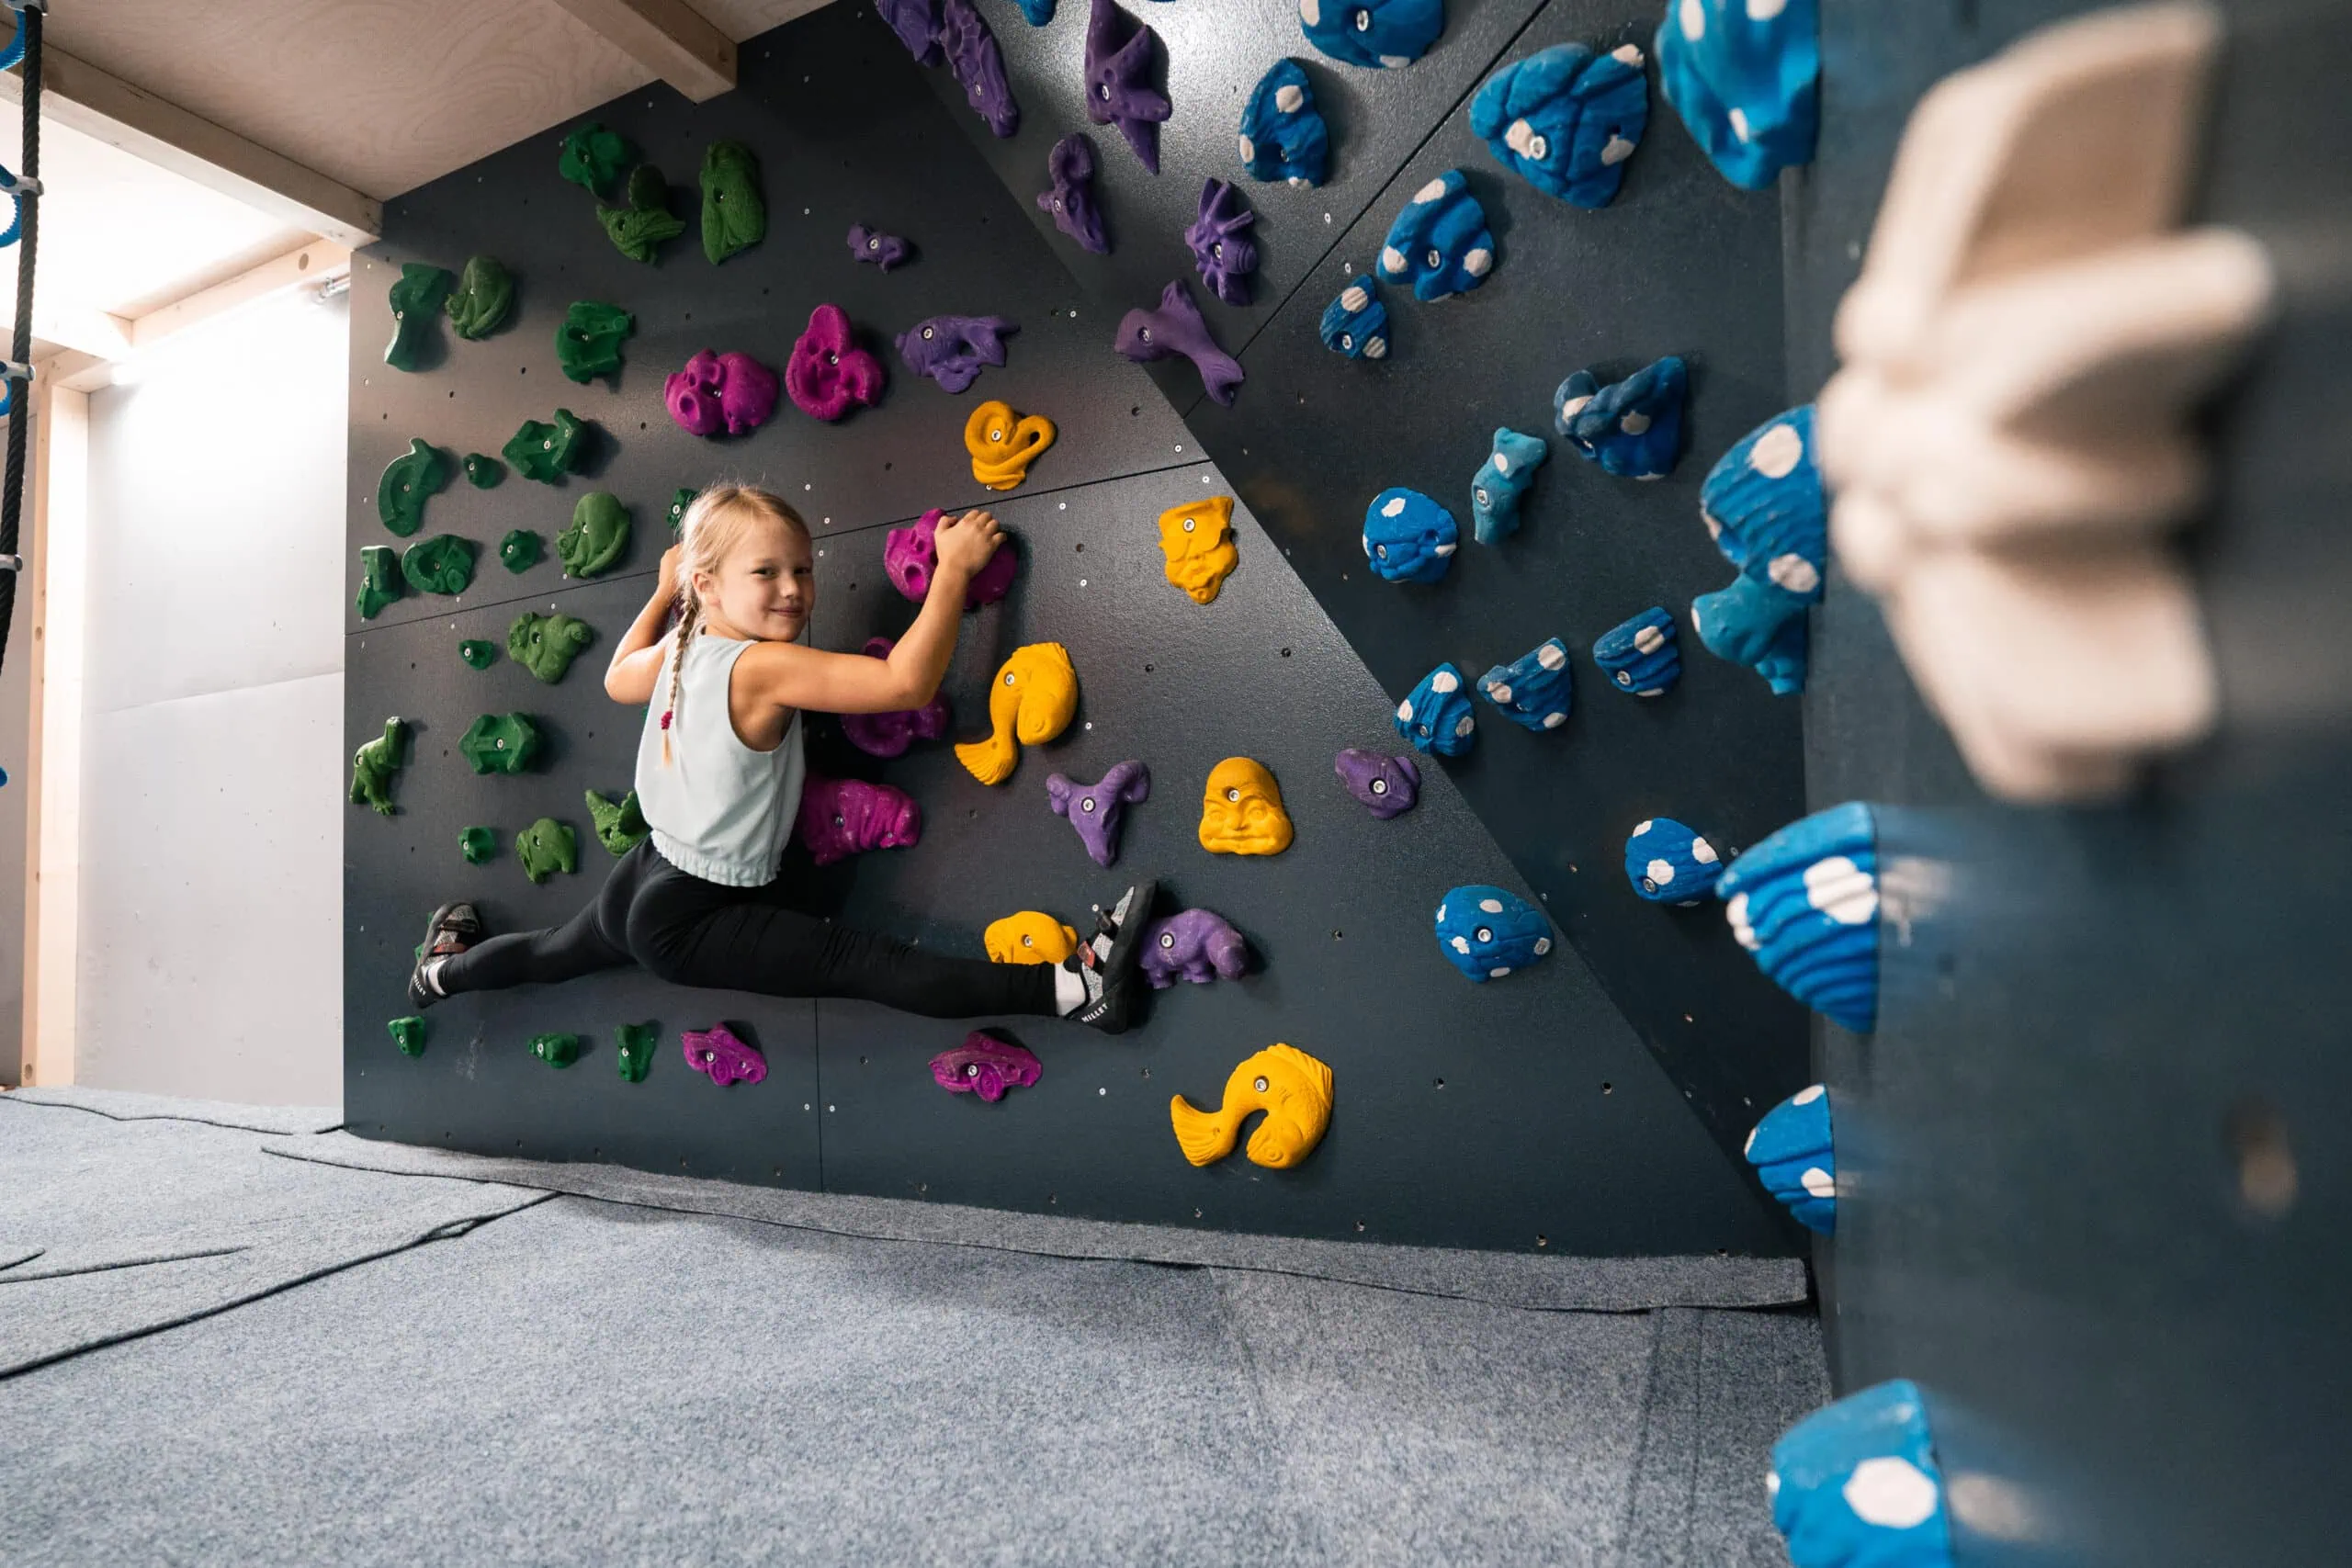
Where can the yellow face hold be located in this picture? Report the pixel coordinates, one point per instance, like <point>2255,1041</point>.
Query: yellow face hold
<point>1029,936</point>
<point>1197,539</point>
<point>1241,810</point>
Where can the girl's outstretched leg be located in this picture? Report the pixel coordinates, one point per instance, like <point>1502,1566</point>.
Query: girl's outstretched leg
<point>457,955</point>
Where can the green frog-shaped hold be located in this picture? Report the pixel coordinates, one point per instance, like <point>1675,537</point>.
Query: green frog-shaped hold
<point>545,847</point>
<point>483,299</point>
<point>374,765</point>
<point>556,1050</point>
<point>588,344</point>
<point>545,644</point>
<point>620,825</point>
<point>417,303</point>
<point>633,1050</point>
<point>641,228</point>
<point>442,564</point>
<point>410,479</point>
<point>594,157</point>
<point>379,579</point>
<point>500,743</point>
<point>547,452</point>
<point>477,844</point>
<point>733,215</point>
<point>597,538</point>
<point>520,551</point>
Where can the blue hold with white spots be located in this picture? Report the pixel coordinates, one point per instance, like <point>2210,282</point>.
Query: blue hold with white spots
<point>1435,716</point>
<point>1283,134</point>
<point>1440,243</point>
<point>1796,1160</point>
<point>1805,905</point>
<point>1745,75</point>
<point>1533,690</point>
<point>1356,323</point>
<point>1856,1485</point>
<point>1566,119</point>
<point>1633,428</point>
<point>1496,490</point>
<point>1408,537</point>
<point>1667,863</point>
<point>1763,504</point>
<point>1641,657</point>
<point>1374,34</point>
<point>1487,932</point>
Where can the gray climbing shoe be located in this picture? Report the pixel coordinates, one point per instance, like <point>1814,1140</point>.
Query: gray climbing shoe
<point>453,929</point>
<point>1105,964</point>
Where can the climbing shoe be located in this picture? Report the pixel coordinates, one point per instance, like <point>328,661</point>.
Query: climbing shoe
<point>1105,962</point>
<point>453,929</point>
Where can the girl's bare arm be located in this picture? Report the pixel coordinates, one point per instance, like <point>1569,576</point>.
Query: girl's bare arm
<point>637,661</point>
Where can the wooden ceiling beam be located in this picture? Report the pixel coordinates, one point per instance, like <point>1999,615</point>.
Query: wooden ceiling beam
<point>669,38</point>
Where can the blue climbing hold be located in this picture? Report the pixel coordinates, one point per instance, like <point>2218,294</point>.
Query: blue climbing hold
<point>12,187</point>
<point>1795,1159</point>
<point>1495,489</point>
<point>1566,119</point>
<point>1036,13</point>
<point>1669,864</point>
<point>1408,537</point>
<point>1633,428</point>
<point>1856,1485</point>
<point>1641,655</point>
<point>14,51</point>
<point>1533,690</point>
<point>1804,903</point>
<point>1487,932</point>
<point>1356,323</point>
<point>1439,243</point>
<point>1376,34</point>
<point>1745,75</point>
<point>1282,135</point>
<point>1435,716</point>
<point>1763,504</point>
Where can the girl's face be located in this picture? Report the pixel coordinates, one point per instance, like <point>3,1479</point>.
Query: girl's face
<point>765,585</point>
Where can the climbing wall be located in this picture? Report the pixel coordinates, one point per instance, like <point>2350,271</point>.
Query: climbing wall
<point>1525,1113</point>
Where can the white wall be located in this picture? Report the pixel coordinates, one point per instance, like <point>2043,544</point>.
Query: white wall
<point>16,756</point>
<point>211,897</point>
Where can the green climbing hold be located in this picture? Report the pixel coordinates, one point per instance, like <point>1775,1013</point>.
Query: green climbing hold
<point>594,157</point>
<point>442,564</point>
<point>597,538</point>
<point>373,765</point>
<point>409,480</point>
<point>379,579</point>
<point>680,498</point>
<point>545,847</point>
<point>621,826</point>
<point>520,551</point>
<point>477,844</point>
<point>484,299</point>
<point>478,653</point>
<point>408,1034</point>
<point>543,644</point>
<point>547,452</point>
<point>416,300</point>
<point>556,1050</point>
<point>588,344</point>
<point>484,472</point>
<point>641,228</point>
<point>633,1050</point>
<point>733,216</point>
<point>500,743</point>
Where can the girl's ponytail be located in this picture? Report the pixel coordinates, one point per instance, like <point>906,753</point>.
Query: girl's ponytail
<point>689,620</point>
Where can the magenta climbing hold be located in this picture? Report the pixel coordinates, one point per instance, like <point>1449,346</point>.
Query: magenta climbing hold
<point>731,393</point>
<point>908,555</point>
<point>1196,945</point>
<point>1099,809</point>
<point>951,349</point>
<point>1222,253</point>
<point>889,734</point>
<point>828,373</point>
<point>1070,167</point>
<point>1388,786</point>
<point>987,1063</point>
<point>877,249</point>
<point>1119,52</point>
<point>840,818</point>
<point>1177,328</point>
<point>717,1054</point>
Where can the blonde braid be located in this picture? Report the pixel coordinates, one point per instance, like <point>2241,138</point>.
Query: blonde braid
<point>689,620</point>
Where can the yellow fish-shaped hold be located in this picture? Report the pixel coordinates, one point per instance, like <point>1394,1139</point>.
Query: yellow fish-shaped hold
<point>1033,699</point>
<point>1003,444</point>
<point>1241,810</point>
<point>1028,936</point>
<point>1197,539</point>
<point>1292,1088</point>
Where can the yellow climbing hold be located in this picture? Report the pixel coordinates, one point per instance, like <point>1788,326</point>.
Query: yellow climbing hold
<point>1197,539</point>
<point>1029,936</point>
<point>1241,810</point>
<point>1003,444</point>
<point>1292,1088</point>
<point>1033,700</point>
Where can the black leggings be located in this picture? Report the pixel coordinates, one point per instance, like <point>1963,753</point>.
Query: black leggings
<point>693,932</point>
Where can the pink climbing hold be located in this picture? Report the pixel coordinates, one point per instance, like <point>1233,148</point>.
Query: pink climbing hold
<point>828,373</point>
<point>908,555</point>
<point>717,1054</point>
<point>1196,945</point>
<point>889,734</point>
<point>840,818</point>
<point>987,1065</point>
<point>722,393</point>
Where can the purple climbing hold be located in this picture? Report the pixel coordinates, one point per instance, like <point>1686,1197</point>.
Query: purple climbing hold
<point>1071,166</point>
<point>1098,810</point>
<point>1222,253</point>
<point>874,247</point>
<point>1196,945</point>
<point>908,555</point>
<point>987,1063</point>
<point>840,818</point>
<point>1388,786</point>
<point>951,349</point>
<point>1177,328</point>
<point>1118,79</point>
<point>717,1054</point>
<point>917,24</point>
<point>978,66</point>
<point>889,734</point>
<point>732,393</point>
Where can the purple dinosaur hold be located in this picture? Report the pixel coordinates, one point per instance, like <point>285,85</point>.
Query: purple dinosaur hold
<point>951,349</point>
<point>1388,786</point>
<point>1177,328</point>
<point>877,249</point>
<point>1118,79</point>
<point>717,1054</point>
<point>840,818</point>
<point>1071,166</point>
<point>1224,255</point>
<point>730,393</point>
<point>1196,945</point>
<point>889,734</point>
<point>1099,809</point>
<point>908,555</point>
<point>917,24</point>
<point>978,66</point>
<point>987,1063</point>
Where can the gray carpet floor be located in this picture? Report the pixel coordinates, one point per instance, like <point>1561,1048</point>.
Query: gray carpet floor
<point>596,1381</point>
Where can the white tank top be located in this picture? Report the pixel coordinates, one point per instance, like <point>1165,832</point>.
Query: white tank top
<point>718,810</point>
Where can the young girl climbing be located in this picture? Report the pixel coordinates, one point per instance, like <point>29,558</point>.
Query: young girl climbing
<point>718,777</point>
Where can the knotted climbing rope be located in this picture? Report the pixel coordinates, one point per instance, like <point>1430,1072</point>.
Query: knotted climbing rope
<point>24,232</point>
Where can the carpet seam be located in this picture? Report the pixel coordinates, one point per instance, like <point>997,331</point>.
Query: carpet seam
<point>10,1099</point>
